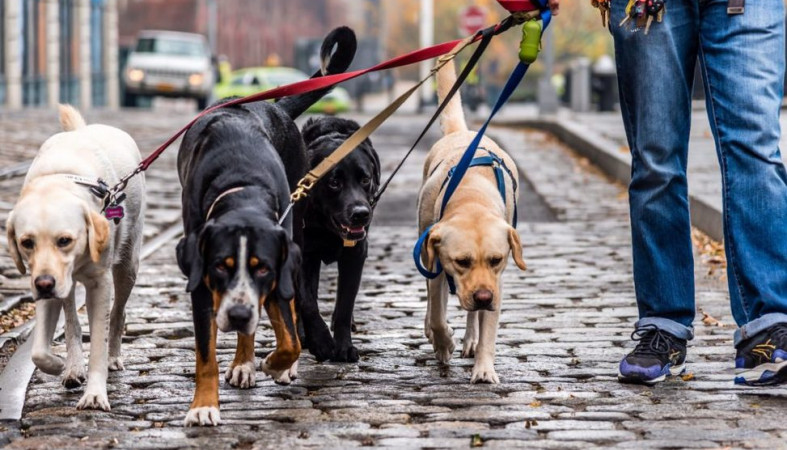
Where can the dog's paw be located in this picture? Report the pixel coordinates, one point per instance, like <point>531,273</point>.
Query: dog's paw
<point>484,373</point>
<point>321,344</point>
<point>204,416</point>
<point>116,364</point>
<point>49,363</point>
<point>468,348</point>
<point>443,348</point>
<point>242,375</point>
<point>74,377</point>
<point>294,371</point>
<point>94,399</point>
<point>279,376</point>
<point>345,352</point>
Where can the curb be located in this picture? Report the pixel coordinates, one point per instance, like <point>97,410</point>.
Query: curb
<point>606,155</point>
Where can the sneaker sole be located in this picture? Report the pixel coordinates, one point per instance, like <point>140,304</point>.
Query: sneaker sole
<point>633,379</point>
<point>763,375</point>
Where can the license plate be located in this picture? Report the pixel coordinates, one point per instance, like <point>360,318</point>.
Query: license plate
<point>166,87</point>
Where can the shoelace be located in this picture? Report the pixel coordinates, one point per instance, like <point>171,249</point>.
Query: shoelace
<point>652,341</point>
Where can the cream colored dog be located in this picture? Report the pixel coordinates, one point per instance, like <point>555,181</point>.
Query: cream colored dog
<point>58,229</point>
<point>472,240</point>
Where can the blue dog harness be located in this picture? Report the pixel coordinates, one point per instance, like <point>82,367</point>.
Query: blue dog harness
<point>457,172</point>
<point>498,166</point>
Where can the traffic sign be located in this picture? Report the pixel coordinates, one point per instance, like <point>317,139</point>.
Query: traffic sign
<point>471,19</point>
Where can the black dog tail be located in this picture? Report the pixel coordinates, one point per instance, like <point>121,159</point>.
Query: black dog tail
<point>343,38</point>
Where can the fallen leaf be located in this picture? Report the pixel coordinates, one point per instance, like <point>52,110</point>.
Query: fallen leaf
<point>688,376</point>
<point>535,404</point>
<point>709,320</point>
<point>476,441</point>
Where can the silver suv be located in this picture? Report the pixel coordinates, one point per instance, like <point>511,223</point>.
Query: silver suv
<point>169,64</point>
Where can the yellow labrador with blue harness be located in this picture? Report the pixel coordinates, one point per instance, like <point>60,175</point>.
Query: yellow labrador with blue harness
<point>472,238</point>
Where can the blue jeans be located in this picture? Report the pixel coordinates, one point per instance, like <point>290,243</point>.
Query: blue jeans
<point>742,61</point>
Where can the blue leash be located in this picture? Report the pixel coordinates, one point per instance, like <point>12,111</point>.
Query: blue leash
<point>458,172</point>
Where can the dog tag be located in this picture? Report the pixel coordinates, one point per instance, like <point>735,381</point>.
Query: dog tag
<point>348,243</point>
<point>114,212</point>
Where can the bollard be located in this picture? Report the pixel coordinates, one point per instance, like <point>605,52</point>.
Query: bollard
<point>580,85</point>
<point>604,83</point>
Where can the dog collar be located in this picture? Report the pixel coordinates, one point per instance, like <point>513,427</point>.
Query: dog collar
<point>100,189</point>
<point>222,195</point>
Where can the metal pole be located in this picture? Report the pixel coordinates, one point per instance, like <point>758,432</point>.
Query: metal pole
<point>427,39</point>
<point>212,26</point>
<point>547,97</point>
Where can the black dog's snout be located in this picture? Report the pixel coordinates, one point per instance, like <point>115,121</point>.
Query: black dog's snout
<point>45,284</point>
<point>360,215</point>
<point>239,316</point>
<point>483,299</point>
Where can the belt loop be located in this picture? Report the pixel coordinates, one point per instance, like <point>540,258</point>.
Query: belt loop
<point>735,7</point>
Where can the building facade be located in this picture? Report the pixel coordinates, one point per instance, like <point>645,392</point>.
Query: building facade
<point>58,51</point>
<point>247,32</point>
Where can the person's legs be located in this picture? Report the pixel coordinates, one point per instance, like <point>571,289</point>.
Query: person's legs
<point>655,76</point>
<point>742,59</point>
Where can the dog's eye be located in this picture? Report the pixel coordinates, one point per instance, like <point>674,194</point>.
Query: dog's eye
<point>64,241</point>
<point>334,184</point>
<point>464,262</point>
<point>28,243</point>
<point>262,271</point>
<point>221,267</point>
<point>495,261</point>
<point>366,181</point>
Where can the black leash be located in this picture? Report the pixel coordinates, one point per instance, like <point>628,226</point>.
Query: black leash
<point>486,38</point>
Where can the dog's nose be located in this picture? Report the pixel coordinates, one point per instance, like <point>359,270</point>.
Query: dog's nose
<point>360,215</point>
<point>45,284</point>
<point>239,316</point>
<point>483,298</point>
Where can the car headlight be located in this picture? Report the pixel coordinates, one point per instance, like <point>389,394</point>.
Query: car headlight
<point>136,75</point>
<point>196,79</point>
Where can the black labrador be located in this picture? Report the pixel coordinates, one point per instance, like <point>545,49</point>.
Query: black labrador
<point>237,166</point>
<point>336,221</point>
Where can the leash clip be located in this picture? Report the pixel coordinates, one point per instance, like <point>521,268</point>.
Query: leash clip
<point>304,186</point>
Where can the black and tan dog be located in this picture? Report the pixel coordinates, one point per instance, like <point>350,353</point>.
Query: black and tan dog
<point>237,166</point>
<point>337,218</point>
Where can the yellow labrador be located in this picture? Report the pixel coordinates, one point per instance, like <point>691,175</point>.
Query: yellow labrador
<point>471,241</point>
<point>57,228</point>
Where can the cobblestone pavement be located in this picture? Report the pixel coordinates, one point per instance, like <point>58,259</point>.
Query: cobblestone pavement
<point>565,324</point>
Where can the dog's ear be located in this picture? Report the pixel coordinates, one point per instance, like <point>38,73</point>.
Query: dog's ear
<point>432,246</point>
<point>516,248</point>
<point>12,248</point>
<point>97,234</point>
<point>289,268</point>
<point>189,257</point>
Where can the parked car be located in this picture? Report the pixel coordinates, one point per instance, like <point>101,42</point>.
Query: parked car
<point>248,81</point>
<point>169,64</point>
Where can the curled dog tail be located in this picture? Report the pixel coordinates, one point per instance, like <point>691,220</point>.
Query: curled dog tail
<point>70,119</point>
<point>452,118</point>
<point>343,38</point>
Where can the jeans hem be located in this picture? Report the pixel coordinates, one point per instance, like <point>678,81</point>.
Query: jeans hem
<point>758,325</point>
<point>670,326</point>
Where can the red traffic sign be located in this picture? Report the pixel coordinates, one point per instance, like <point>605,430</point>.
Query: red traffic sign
<point>471,19</point>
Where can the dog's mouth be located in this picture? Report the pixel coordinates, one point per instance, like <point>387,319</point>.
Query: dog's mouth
<point>350,232</point>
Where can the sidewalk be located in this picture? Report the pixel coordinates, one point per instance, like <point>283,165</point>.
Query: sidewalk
<point>601,138</point>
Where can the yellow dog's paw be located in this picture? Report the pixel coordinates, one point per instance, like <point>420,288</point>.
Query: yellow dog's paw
<point>483,373</point>
<point>94,400</point>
